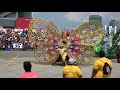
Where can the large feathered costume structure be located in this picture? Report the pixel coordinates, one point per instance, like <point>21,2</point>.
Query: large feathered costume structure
<point>51,44</point>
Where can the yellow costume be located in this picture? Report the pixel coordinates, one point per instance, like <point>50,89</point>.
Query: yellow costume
<point>63,49</point>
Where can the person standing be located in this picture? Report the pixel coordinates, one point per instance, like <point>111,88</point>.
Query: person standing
<point>71,71</point>
<point>117,55</point>
<point>28,73</point>
<point>102,67</point>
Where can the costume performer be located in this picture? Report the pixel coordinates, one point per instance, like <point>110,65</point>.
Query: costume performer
<point>51,46</point>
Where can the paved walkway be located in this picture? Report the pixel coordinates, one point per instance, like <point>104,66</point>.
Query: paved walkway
<point>11,67</point>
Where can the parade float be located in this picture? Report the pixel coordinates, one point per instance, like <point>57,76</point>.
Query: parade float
<point>47,38</point>
<point>115,45</point>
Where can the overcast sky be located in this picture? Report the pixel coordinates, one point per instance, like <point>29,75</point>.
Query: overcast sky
<point>70,20</point>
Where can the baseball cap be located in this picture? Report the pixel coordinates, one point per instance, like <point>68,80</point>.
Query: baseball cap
<point>71,61</point>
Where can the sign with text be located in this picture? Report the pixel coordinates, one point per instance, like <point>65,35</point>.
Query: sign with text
<point>17,45</point>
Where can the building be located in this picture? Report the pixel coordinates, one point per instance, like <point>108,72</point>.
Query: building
<point>95,17</point>
<point>8,19</point>
<point>112,38</point>
<point>114,23</point>
<point>114,26</point>
<point>25,14</point>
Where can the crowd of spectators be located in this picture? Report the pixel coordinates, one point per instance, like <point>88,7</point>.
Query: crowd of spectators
<point>9,36</point>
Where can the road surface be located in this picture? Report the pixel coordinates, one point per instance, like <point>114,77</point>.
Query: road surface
<point>11,66</point>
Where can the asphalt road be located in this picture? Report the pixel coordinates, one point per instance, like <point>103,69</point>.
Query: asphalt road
<point>11,66</point>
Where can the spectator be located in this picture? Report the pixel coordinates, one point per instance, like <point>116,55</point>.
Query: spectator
<point>9,37</point>
<point>71,71</point>
<point>117,55</point>
<point>28,73</point>
<point>98,67</point>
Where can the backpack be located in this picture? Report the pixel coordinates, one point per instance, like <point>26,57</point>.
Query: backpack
<point>106,68</point>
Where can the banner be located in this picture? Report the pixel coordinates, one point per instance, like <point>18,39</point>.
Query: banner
<point>17,45</point>
<point>22,23</point>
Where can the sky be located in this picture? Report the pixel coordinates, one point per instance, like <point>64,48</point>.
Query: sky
<point>70,20</point>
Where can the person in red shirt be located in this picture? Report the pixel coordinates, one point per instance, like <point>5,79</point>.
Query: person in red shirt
<point>28,73</point>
